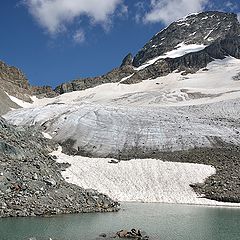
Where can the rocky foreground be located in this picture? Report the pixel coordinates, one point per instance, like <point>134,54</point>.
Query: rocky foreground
<point>30,179</point>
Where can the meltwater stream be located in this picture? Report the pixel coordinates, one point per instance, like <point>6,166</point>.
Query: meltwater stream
<point>160,221</point>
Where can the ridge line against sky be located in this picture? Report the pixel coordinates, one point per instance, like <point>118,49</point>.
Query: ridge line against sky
<point>55,41</point>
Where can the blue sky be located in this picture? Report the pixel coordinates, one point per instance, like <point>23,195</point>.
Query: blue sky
<point>55,41</point>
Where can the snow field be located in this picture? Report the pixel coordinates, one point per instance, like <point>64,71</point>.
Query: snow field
<point>144,180</point>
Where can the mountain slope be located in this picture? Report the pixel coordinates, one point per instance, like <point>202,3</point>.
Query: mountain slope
<point>186,46</point>
<point>169,113</point>
<point>184,102</point>
<point>199,29</point>
<point>116,119</point>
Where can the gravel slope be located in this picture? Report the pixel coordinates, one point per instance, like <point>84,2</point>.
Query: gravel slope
<point>31,182</point>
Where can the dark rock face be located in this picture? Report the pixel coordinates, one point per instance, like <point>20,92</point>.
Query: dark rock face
<point>189,63</point>
<point>81,84</point>
<point>220,31</point>
<point>15,83</point>
<point>204,28</point>
<point>43,91</point>
<point>14,75</point>
<point>30,179</point>
<point>128,60</point>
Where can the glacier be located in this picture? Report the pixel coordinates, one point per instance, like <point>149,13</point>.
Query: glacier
<point>169,113</point>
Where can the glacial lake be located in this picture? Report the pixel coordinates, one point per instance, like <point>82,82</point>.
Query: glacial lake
<point>160,221</point>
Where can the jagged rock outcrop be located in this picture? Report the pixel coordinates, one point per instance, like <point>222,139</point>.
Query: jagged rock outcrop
<point>31,182</point>
<point>14,75</point>
<point>14,82</point>
<point>128,60</point>
<point>115,75</point>
<point>43,91</point>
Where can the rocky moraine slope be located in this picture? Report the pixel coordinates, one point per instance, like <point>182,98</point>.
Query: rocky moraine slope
<point>31,183</point>
<point>30,179</point>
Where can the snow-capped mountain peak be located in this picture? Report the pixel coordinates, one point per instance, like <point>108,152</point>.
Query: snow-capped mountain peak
<point>201,29</point>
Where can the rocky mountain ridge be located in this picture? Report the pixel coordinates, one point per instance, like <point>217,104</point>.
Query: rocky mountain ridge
<point>14,82</point>
<point>217,32</point>
<point>203,28</point>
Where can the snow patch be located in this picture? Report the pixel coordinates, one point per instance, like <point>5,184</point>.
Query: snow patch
<point>183,23</point>
<point>145,180</point>
<point>192,34</point>
<point>125,78</point>
<point>180,50</point>
<point>207,36</point>
<point>187,16</point>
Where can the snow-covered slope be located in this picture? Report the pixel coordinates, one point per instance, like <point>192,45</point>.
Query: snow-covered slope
<point>220,80</point>
<point>169,113</point>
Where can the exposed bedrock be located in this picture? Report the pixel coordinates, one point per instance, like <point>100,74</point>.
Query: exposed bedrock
<point>113,76</point>
<point>13,82</point>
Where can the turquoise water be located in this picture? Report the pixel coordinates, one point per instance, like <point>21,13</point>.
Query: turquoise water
<point>160,221</point>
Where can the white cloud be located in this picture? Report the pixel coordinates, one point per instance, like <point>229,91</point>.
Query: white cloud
<point>54,15</point>
<point>79,36</point>
<point>167,11</point>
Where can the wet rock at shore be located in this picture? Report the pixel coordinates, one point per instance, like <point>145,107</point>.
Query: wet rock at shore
<point>125,234</point>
